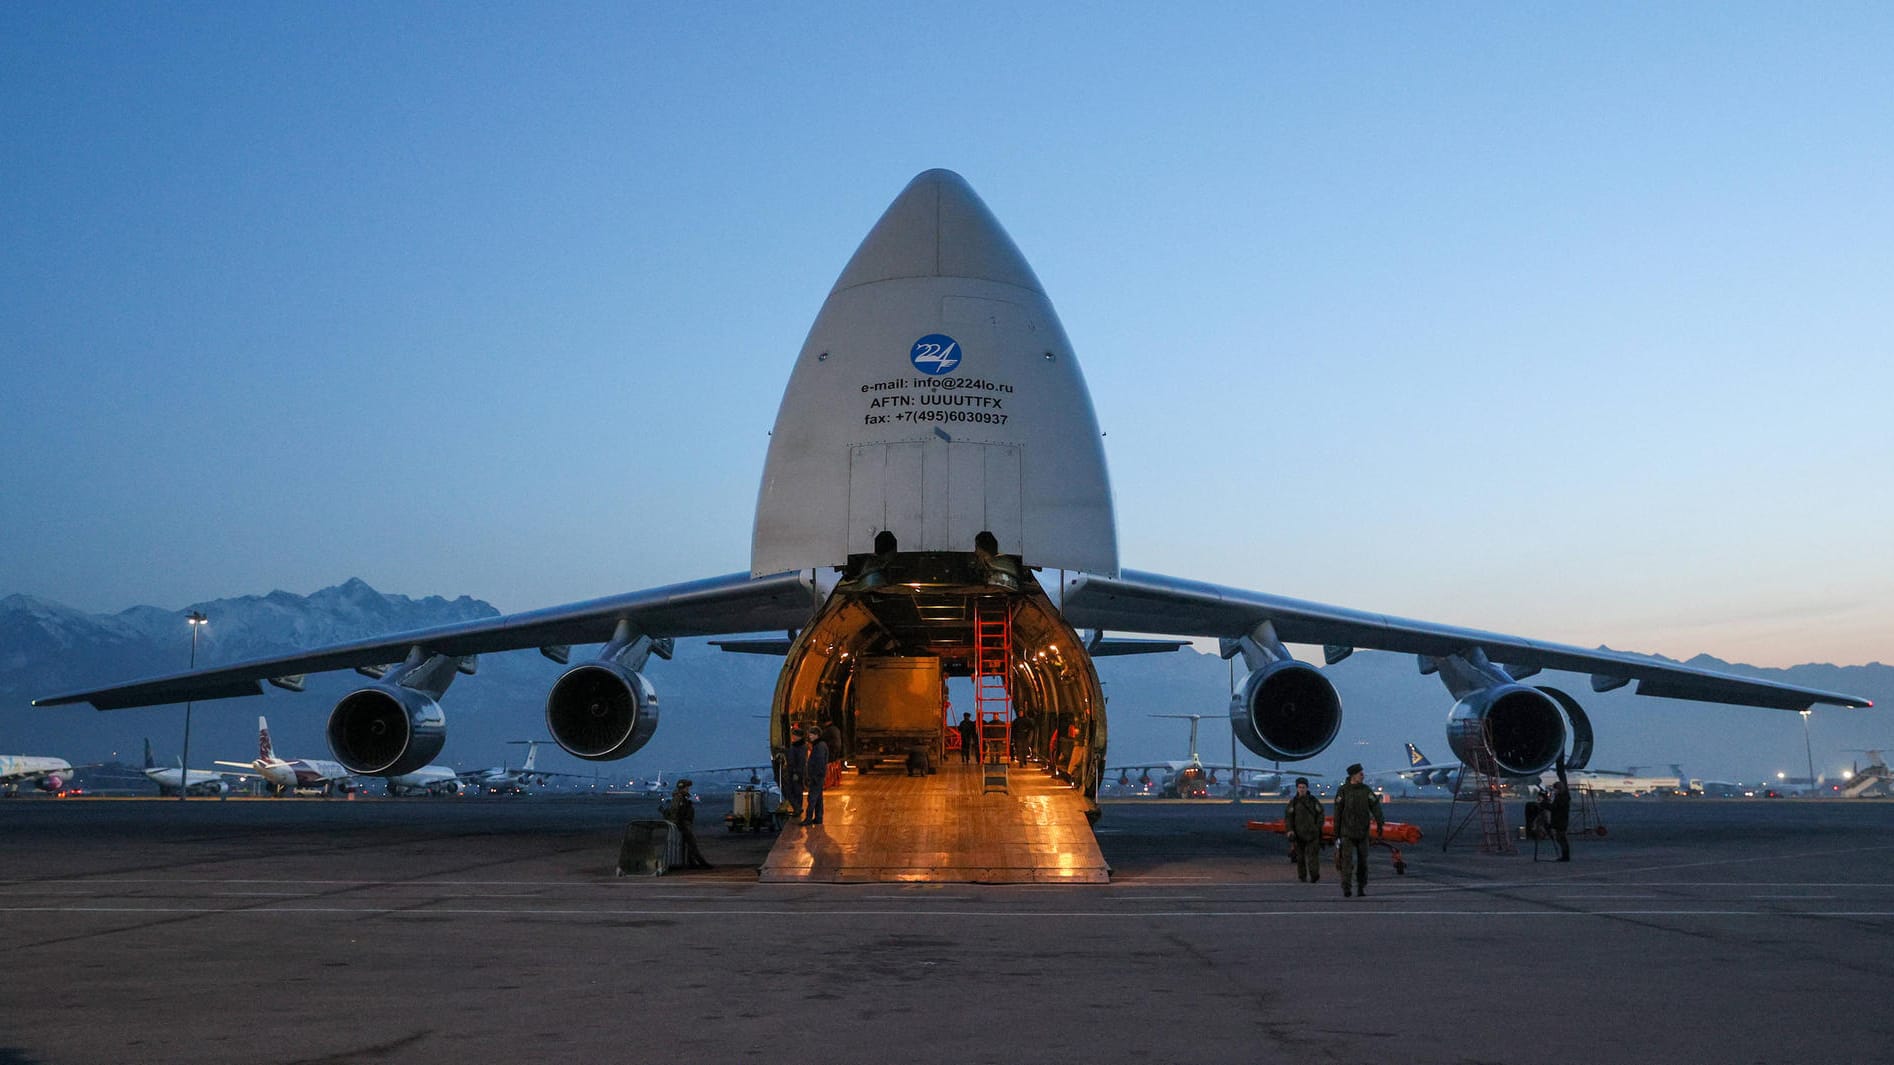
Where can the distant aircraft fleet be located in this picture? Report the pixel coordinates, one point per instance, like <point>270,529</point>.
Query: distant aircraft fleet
<point>287,776</point>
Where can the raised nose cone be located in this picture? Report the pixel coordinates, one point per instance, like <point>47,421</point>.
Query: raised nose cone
<point>938,227</point>
<point>938,401</point>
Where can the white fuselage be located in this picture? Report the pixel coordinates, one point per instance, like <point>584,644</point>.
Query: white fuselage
<point>290,773</point>
<point>499,779</point>
<point>45,773</point>
<point>432,779</point>
<point>1622,783</point>
<point>169,779</point>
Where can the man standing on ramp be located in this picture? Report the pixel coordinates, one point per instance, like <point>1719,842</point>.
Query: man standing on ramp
<point>818,767</point>
<point>969,738</point>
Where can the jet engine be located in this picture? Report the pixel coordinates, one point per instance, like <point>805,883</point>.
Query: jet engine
<point>1286,711</point>
<point>1523,725</point>
<point>386,729</point>
<point>601,711</point>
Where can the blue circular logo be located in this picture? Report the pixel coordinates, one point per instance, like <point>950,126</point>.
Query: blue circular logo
<point>935,354</point>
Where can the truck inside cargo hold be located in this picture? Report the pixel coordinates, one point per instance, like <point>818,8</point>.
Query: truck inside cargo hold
<point>897,711</point>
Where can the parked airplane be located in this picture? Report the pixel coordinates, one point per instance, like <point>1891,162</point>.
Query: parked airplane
<point>1630,782</point>
<point>498,779</point>
<point>1874,782</point>
<point>44,773</point>
<point>1424,773</point>
<point>427,780</point>
<point>1190,778</point>
<point>656,787</point>
<point>287,774</point>
<point>199,781</point>
<point>936,473</point>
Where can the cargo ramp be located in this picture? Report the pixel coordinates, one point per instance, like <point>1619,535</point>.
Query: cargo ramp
<point>944,827</point>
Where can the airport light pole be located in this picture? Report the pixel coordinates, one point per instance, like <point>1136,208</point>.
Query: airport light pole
<point>197,620</point>
<point>1236,778</point>
<point>1808,749</point>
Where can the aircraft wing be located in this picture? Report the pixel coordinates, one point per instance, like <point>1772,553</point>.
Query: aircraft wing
<point>1150,602</point>
<point>730,604</point>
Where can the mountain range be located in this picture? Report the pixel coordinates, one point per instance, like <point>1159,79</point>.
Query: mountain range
<point>713,703</point>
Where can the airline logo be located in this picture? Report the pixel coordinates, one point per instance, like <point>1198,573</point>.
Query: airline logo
<point>1414,757</point>
<point>935,354</point>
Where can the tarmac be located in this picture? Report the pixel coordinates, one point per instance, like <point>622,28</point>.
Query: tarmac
<point>297,931</point>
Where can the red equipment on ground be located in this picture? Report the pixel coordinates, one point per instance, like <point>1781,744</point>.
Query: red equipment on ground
<point>1394,832</point>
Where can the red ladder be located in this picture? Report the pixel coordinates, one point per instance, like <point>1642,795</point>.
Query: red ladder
<point>992,679</point>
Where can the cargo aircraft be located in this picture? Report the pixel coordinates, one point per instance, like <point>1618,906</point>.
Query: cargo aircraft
<point>510,780</point>
<point>936,474</point>
<point>1190,778</point>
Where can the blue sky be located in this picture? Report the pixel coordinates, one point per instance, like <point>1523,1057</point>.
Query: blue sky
<point>1572,322</point>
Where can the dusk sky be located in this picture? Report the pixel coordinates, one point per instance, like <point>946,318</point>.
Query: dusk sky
<point>1575,322</point>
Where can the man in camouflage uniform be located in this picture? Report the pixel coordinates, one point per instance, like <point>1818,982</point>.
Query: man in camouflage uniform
<point>1303,819</point>
<point>1355,804</point>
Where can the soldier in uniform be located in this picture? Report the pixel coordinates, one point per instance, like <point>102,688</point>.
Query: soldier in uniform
<point>795,772</point>
<point>684,816</point>
<point>818,778</point>
<point>1303,819</point>
<point>1355,804</point>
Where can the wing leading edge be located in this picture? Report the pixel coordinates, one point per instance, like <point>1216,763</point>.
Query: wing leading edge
<point>1153,603</point>
<point>718,605</point>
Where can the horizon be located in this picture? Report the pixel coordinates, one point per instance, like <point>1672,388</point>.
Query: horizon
<point>1309,652</point>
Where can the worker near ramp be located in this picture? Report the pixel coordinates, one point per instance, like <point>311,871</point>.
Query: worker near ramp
<point>1303,819</point>
<point>684,816</point>
<point>795,772</point>
<point>1561,817</point>
<point>818,769</point>
<point>969,737</point>
<point>1355,804</point>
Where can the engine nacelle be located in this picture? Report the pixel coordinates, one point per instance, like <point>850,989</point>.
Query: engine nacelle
<point>1286,711</point>
<point>1579,756</point>
<point>601,711</point>
<point>386,729</point>
<point>1523,726</point>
